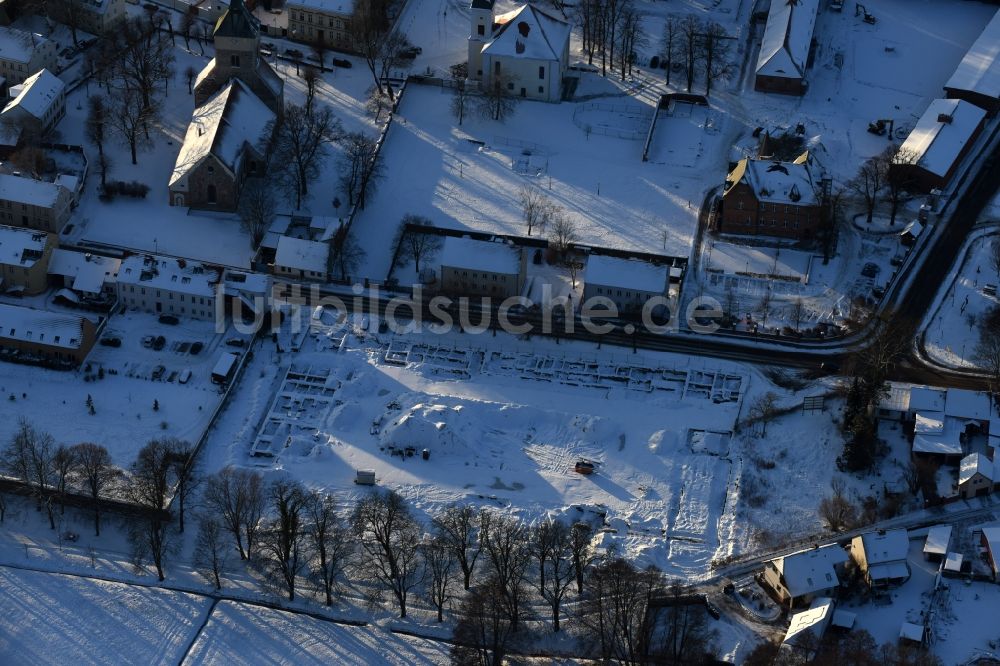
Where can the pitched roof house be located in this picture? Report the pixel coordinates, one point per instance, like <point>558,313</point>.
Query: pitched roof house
<point>526,49</point>
<point>772,198</point>
<point>881,557</point>
<point>800,577</point>
<point>784,51</point>
<point>225,143</point>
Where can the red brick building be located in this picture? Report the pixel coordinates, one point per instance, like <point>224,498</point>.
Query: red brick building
<point>770,198</point>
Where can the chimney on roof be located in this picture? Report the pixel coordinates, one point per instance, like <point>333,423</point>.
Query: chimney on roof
<point>945,118</point>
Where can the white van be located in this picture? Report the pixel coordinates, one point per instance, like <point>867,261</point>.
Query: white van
<point>184,376</point>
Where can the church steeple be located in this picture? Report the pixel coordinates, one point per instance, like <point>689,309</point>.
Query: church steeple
<point>237,22</point>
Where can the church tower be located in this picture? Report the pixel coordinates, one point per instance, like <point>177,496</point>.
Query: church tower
<point>481,19</point>
<point>237,56</point>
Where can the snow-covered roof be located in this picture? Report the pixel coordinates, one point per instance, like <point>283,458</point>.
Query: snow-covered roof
<point>884,547</point>
<point>635,274</point>
<point>844,619</point>
<point>992,536</point>
<point>237,22</point>
<point>972,464</point>
<point>938,538</point>
<point>812,569</point>
<point>787,36</point>
<point>490,256</point>
<point>966,404</point>
<point>56,329</point>
<point>221,126</point>
<point>944,444</point>
<point>953,562</point>
<point>914,228</point>
<point>177,275</point>
<point>979,70</point>
<point>927,399</point>
<point>813,620</point>
<point>344,7</point>
<point>18,45</point>
<point>778,182</point>
<point>37,94</point>
<point>301,254</point>
<point>528,32</point>
<point>935,143</point>
<point>90,272</point>
<point>21,247</point>
<point>246,282</point>
<point>29,191</point>
<point>925,423</point>
<point>912,632</point>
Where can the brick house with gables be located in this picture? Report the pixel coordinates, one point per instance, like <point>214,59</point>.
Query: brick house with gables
<point>772,198</point>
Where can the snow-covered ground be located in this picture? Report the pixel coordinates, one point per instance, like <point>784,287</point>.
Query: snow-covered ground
<point>951,329</point>
<point>58,619</point>
<point>124,417</point>
<point>241,634</point>
<point>54,618</point>
<point>469,177</point>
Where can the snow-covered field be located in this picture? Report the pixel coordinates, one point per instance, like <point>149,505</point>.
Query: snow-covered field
<point>54,618</point>
<point>469,177</point>
<point>124,417</point>
<point>58,619</point>
<point>241,634</point>
<point>951,330</point>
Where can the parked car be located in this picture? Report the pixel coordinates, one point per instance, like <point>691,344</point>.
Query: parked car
<point>111,341</point>
<point>196,348</point>
<point>169,320</point>
<point>158,372</point>
<point>294,53</point>
<point>147,341</point>
<point>235,342</point>
<point>159,343</point>
<point>184,376</point>
<point>870,270</point>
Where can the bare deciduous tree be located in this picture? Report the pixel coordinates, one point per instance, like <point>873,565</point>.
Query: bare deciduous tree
<point>63,466</point>
<point>898,176</point>
<point>256,209</point>
<point>671,43</point>
<point>837,510</point>
<point>300,147</point>
<point>129,116</point>
<point>461,95</point>
<point>311,78</point>
<point>185,476</point>
<point>691,31</point>
<point>97,473</point>
<point>535,207</point>
<point>439,560</point>
<point>360,167</point>
<point>148,485</point>
<point>388,537</point>
<point>868,183</point>
<point>497,102</point>
<point>378,42</point>
<point>552,544</point>
<point>238,497</point>
<point>210,551</point>
<point>615,610</point>
<point>282,539</point>
<point>582,550</point>
<point>330,543</point>
<point>716,54</point>
<point>504,542</point>
<point>484,629</point>
<point>562,231</point>
<point>378,102</point>
<point>412,243</point>
<point>457,526</point>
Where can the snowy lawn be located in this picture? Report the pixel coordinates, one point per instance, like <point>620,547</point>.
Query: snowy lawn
<point>124,417</point>
<point>58,619</point>
<point>241,634</point>
<point>951,329</point>
<point>469,177</point>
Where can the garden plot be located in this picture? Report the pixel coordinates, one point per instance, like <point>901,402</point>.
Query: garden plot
<point>298,409</point>
<point>135,390</point>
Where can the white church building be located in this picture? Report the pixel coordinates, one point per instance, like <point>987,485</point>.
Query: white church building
<point>527,46</point>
